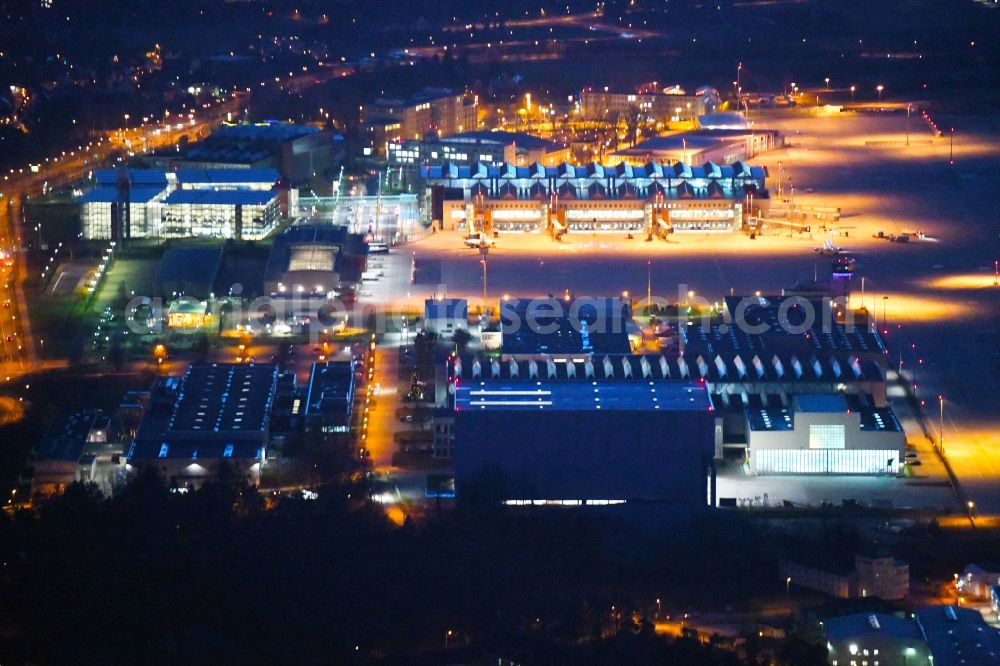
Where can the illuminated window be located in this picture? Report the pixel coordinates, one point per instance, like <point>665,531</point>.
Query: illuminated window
<point>826,436</point>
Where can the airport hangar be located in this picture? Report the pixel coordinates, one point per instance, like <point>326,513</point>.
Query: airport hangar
<point>810,401</point>
<point>596,198</point>
<point>581,432</point>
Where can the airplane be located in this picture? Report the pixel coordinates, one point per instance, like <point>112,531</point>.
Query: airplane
<point>829,248</point>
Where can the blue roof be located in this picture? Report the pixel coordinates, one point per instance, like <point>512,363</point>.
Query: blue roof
<point>452,170</point>
<point>569,395</point>
<point>222,197</point>
<point>227,176</point>
<point>110,194</point>
<point>135,176</point>
<point>959,636</point>
<point>827,403</point>
<point>770,419</point>
<point>446,308</point>
<point>848,627</point>
<point>272,130</point>
<point>503,138</point>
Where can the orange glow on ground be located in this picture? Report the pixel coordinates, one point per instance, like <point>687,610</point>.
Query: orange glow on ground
<point>964,281</point>
<point>11,410</point>
<point>909,308</point>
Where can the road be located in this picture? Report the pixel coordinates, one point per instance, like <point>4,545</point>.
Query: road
<point>18,353</point>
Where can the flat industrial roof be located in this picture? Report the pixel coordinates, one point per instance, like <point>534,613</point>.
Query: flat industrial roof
<point>847,627</point>
<point>331,389</point>
<point>502,139</point>
<point>136,194</point>
<point>555,326</point>
<point>765,413</point>
<point>222,197</point>
<point>227,176</point>
<point>827,403</point>
<point>959,636</point>
<point>621,395</point>
<point>147,177</point>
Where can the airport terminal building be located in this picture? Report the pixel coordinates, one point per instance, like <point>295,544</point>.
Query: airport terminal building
<point>651,198</point>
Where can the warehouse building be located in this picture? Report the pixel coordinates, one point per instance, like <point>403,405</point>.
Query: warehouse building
<point>577,433</point>
<point>652,198</point>
<point>824,434</point>
<point>567,328</point>
<point>330,397</point>
<point>215,414</point>
<point>81,450</point>
<point>864,638</point>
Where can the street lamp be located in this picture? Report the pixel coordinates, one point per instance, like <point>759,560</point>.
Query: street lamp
<point>853,88</point>
<point>827,79</point>
<point>788,586</point>
<point>941,424</point>
<point>951,146</point>
<point>484,250</point>
<point>657,608</point>
<point>908,125</point>
<point>879,88</point>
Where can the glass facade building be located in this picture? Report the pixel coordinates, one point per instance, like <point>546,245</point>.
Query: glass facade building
<point>218,203</point>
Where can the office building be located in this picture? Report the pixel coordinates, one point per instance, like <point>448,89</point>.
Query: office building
<point>433,111</point>
<point>650,102</point>
<point>877,575</point>
<point>147,203</point>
